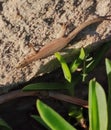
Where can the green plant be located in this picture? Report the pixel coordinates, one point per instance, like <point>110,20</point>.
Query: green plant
<point>51,118</point>
<point>96,93</point>
<point>98,116</point>
<point>99,107</point>
<point>69,83</point>
<point>86,64</point>
<point>98,113</point>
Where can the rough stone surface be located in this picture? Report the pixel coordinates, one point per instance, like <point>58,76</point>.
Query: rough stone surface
<point>39,21</point>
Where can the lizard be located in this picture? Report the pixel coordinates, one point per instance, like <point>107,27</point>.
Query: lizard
<point>59,43</point>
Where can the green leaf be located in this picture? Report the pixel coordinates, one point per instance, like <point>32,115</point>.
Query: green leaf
<point>45,86</point>
<point>4,125</point>
<point>78,61</point>
<point>65,68</point>
<point>52,118</point>
<point>82,54</point>
<point>108,71</point>
<point>97,107</point>
<point>102,107</point>
<point>93,107</point>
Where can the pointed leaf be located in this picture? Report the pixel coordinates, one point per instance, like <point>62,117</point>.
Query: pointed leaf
<point>52,118</point>
<point>65,68</point>
<point>77,62</point>
<point>45,86</point>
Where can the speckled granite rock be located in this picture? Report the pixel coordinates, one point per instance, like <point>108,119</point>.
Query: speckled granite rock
<point>39,21</point>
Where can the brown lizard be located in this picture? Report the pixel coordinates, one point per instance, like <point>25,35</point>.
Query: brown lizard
<point>58,44</point>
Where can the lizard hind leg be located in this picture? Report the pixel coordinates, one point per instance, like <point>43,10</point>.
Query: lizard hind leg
<point>62,30</point>
<point>32,48</point>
